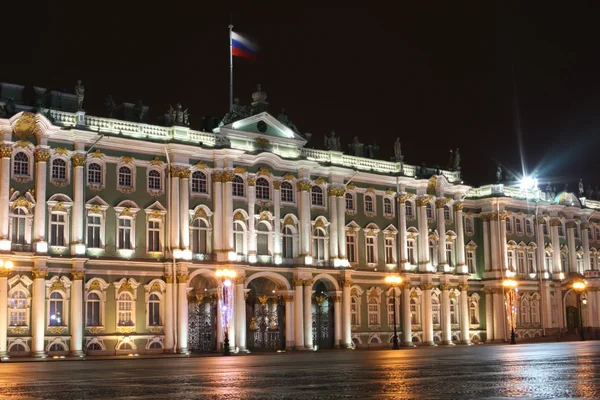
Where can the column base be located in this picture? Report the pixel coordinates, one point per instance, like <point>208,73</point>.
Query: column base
<point>448,343</point>
<point>39,354</point>
<point>289,345</point>
<point>77,353</point>
<point>466,342</point>
<point>300,348</point>
<point>243,350</point>
<point>431,344</point>
<point>311,347</point>
<point>3,355</point>
<point>408,344</point>
<point>183,350</point>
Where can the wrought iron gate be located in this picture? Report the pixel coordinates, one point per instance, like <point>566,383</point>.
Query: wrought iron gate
<point>201,336</point>
<point>265,327</point>
<point>322,323</point>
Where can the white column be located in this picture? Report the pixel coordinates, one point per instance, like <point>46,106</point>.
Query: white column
<point>423,240</point>
<point>346,315</point>
<point>298,315</point>
<point>39,217</point>
<point>572,248</point>
<point>228,212</point>
<point>427,316</point>
<point>38,313</point>
<point>251,202</point>
<point>403,257</point>
<point>337,316</point>
<point>77,218</point>
<point>441,227</point>
<point>174,207</point>
<point>547,305</point>
<point>406,320</point>
<point>446,322</point>
<point>77,314</point>
<point>182,313</point>
<point>489,316</point>
<point>503,244</point>
<point>5,152</point>
<point>333,227</point>
<point>464,314</point>
<point>541,247</point>
<point>499,314</point>
<point>308,333</point>
<point>217,177</point>
<point>289,322</point>
<point>184,209</point>
<point>304,210</point>
<point>169,338</point>
<point>494,242</point>
<point>586,246</point>
<point>460,239</point>
<point>277,222</point>
<point>240,312</point>
<point>341,220</point>
<point>3,312</point>
<point>556,261</point>
<point>486,242</point>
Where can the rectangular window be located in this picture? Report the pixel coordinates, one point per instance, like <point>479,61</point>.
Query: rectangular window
<point>530,268</point>
<point>390,308</point>
<point>153,236</point>
<point>351,248</point>
<point>17,318</point>
<point>18,227</point>
<point>410,247</point>
<point>93,310</point>
<point>471,261</point>
<point>370,250</point>
<point>93,231</point>
<point>373,314</point>
<point>449,255</point>
<point>436,313</point>
<point>125,233</point>
<point>389,251</point>
<point>521,262</point>
<point>57,230</point>
<point>353,313</point>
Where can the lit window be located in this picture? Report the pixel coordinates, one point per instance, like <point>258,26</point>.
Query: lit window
<point>125,177</point>
<point>21,165</point>
<point>373,312</point>
<point>263,190</point>
<point>93,310</point>
<point>125,310</point>
<point>237,186</point>
<point>56,310</point>
<point>287,192</point>
<point>57,229</point>
<point>18,308</point>
<point>93,231</point>
<point>199,182</point>
<point>154,310</point>
<point>154,180</point>
<point>317,196</point>
<point>153,236</point>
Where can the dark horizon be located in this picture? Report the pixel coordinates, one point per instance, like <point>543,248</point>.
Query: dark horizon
<point>440,78</point>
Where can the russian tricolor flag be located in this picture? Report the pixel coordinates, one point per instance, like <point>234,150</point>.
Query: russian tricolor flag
<point>243,47</point>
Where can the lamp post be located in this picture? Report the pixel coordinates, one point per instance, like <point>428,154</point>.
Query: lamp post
<point>394,281</point>
<point>579,287</point>
<point>226,275</point>
<point>511,291</point>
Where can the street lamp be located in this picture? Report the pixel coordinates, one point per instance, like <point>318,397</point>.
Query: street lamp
<point>6,266</point>
<point>510,287</point>
<point>226,275</point>
<point>579,287</point>
<point>394,281</point>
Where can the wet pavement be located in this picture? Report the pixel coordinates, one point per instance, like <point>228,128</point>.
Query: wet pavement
<point>545,370</point>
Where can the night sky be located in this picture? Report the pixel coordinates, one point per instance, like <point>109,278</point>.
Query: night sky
<point>440,76</point>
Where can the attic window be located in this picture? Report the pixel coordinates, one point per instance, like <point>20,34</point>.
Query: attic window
<point>261,126</point>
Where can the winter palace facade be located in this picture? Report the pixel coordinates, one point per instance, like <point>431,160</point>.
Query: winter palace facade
<point>115,231</point>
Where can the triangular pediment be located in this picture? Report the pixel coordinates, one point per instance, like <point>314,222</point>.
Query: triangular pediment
<point>261,125</point>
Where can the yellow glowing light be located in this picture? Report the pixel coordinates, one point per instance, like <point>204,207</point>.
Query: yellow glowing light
<point>509,283</point>
<point>393,280</point>
<point>8,265</point>
<point>225,273</point>
<point>579,285</point>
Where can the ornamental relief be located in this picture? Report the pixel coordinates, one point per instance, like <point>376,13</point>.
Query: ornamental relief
<point>59,182</point>
<point>126,329</point>
<point>57,330</point>
<point>95,329</point>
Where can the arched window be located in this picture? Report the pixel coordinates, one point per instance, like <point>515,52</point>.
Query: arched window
<point>429,211</point>
<point>56,309</point>
<point>21,164</point>
<point>125,309</point>
<point>154,180</point>
<point>408,207</point>
<point>94,346</point>
<point>518,226</point>
<point>453,312</point>
<point>238,238</point>
<point>354,316</point>
<point>18,308</point>
<point>349,201</point>
<point>59,169</point>
<point>469,225</point>
<point>199,182</point>
<point>319,244</point>
<point>287,241</point>
<point>508,225</point>
<point>237,186</point>
<point>287,192</point>
<point>154,310</point>
<point>369,207</point>
<point>263,189</point>
<point>94,174</point>
<point>435,307</point>
<point>93,310</point>
<point>199,236</point>
<point>373,311</point>
<point>56,347</point>
<point>446,213</point>
<point>415,317</point>
<point>262,240</point>
<point>125,177</point>
<point>317,196</point>
<point>528,227</point>
<point>387,206</point>
<point>474,313</point>
<point>19,220</point>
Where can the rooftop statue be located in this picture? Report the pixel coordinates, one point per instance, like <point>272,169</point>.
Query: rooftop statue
<point>236,112</point>
<point>398,149</point>
<point>450,159</point>
<point>79,92</point>
<point>581,189</point>
<point>283,118</point>
<point>373,150</point>
<point>141,111</point>
<point>589,191</point>
<point>332,142</point>
<point>259,100</point>
<point>356,148</point>
<point>499,174</point>
<point>110,107</point>
<point>178,116</point>
<point>456,161</point>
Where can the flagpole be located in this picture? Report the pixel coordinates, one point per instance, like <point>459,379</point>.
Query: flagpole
<point>230,67</point>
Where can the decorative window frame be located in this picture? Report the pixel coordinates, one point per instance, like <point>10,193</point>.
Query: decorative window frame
<point>202,212</point>
<point>292,189</point>
<point>509,224</point>
<point>151,341</point>
<point>25,203</point>
<point>352,229</point>
<point>352,194</point>
<point>413,215</point>
<point>158,287</point>
<point>129,162</point>
<point>270,233</point>
<point>94,340</point>
<point>320,223</point>
<point>209,181</point>
<point>62,286</point>
<point>390,294</point>
<point>471,247</point>
<point>160,168</point>
<point>371,194</point>
<point>529,227</point>
<point>57,341</point>
<point>519,221</point>
<point>126,285</point>
<point>96,207</point>
<point>535,305</point>
<point>454,300</point>
<point>415,294</point>
<point>356,293</point>
<point>291,221</point>
<point>156,212</point>
<point>392,203</point>
<point>22,283</point>
<point>390,232</point>
<point>324,194</point>
<point>372,230</point>
<point>59,204</point>
<point>430,205</point>
<point>29,150</point>
<point>374,293</point>
<point>473,301</point>
<point>65,155</point>
<point>436,300</point>
<point>240,217</point>
<point>271,190</point>
<point>470,225</point>
<point>126,209</point>
<point>244,186</point>
<point>97,286</point>
<point>450,213</point>
<point>95,187</point>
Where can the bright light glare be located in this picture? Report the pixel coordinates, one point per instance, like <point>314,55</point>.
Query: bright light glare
<point>227,283</point>
<point>509,283</point>
<point>579,285</point>
<point>393,280</point>
<point>528,183</point>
